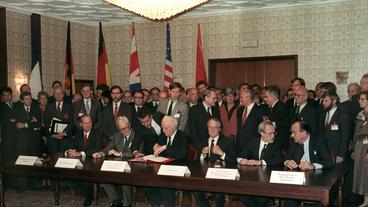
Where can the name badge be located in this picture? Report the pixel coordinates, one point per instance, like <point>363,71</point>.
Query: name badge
<point>334,127</point>
<point>177,115</point>
<point>174,170</point>
<point>365,141</point>
<point>28,160</point>
<point>287,177</point>
<point>223,173</point>
<point>69,163</point>
<point>115,166</point>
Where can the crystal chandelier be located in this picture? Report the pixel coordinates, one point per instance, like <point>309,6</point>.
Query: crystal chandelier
<point>158,10</point>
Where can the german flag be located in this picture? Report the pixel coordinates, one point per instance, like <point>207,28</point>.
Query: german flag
<point>68,66</point>
<point>103,70</point>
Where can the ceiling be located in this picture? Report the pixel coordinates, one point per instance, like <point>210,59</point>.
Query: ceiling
<point>94,11</point>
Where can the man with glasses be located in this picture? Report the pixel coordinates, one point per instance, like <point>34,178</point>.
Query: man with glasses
<point>304,109</point>
<point>119,146</point>
<point>264,151</point>
<point>137,105</point>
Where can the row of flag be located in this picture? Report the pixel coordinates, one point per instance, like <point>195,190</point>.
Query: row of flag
<point>103,71</point>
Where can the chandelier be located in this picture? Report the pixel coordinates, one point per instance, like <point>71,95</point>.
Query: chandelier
<point>158,10</point>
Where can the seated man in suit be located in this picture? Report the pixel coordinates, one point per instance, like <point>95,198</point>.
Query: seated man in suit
<point>216,147</point>
<point>263,151</point>
<point>119,146</point>
<point>147,133</point>
<point>137,105</point>
<point>307,152</point>
<point>85,143</point>
<point>172,143</point>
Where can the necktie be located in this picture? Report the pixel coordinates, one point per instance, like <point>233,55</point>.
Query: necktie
<point>126,146</point>
<point>299,153</point>
<point>88,107</point>
<point>211,146</point>
<point>85,140</point>
<point>244,117</point>
<point>58,108</point>
<point>170,108</point>
<point>209,111</point>
<point>116,110</point>
<point>169,141</point>
<point>297,110</point>
<point>327,118</point>
<point>261,157</point>
<point>27,110</point>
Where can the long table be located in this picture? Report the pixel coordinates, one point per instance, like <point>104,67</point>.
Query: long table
<point>254,180</point>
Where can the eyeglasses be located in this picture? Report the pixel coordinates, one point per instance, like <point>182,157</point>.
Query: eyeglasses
<point>138,96</point>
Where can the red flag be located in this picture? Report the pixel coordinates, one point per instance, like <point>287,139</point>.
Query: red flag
<point>200,69</point>
<point>103,70</point>
<point>68,66</point>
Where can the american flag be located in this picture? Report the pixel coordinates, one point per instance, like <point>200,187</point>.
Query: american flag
<point>169,76</point>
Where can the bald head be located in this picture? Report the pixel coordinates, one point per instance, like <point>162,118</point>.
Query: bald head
<point>169,125</point>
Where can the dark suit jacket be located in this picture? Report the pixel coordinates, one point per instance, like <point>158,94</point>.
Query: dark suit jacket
<point>153,107</point>
<point>79,107</point>
<point>250,129</point>
<point>67,99</point>
<point>318,152</point>
<point>93,142</point>
<point>108,121</point>
<point>337,140</point>
<point>197,122</point>
<point>144,141</point>
<point>227,145</point>
<point>8,130</point>
<point>308,114</point>
<point>178,148</point>
<point>272,154</point>
<point>65,115</point>
<point>119,144</point>
<point>135,121</point>
<point>279,115</point>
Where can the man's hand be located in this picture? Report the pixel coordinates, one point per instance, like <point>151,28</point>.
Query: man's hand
<point>217,150</point>
<point>159,149</point>
<point>304,165</point>
<point>34,120</point>
<point>58,136</point>
<point>156,146</point>
<point>366,157</point>
<point>205,151</point>
<point>291,164</point>
<point>113,152</point>
<point>339,160</point>
<point>255,162</point>
<point>138,155</point>
<point>97,155</point>
<point>73,153</point>
<point>20,125</point>
<point>244,162</point>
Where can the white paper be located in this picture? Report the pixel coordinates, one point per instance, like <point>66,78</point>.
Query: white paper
<point>69,163</point>
<point>288,177</point>
<point>59,128</point>
<point>115,166</point>
<point>174,170</point>
<point>223,173</point>
<point>155,159</point>
<point>28,160</point>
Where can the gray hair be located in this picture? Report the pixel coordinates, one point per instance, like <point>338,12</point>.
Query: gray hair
<point>263,124</point>
<point>173,121</point>
<point>120,120</point>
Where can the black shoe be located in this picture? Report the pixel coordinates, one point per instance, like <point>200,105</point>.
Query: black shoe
<point>87,202</point>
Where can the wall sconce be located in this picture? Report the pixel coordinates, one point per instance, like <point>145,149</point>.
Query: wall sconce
<point>19,80</point>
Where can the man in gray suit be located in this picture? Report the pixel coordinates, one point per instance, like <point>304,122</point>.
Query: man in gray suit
<point>172,106</point>
<point>119,146</point>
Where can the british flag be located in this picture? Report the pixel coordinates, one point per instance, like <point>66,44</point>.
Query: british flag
<point>134,73</point>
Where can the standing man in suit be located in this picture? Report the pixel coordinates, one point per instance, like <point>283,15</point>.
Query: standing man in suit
<point>193,96</point>
<point>277,113</point>
<point>154,92</point>
<point>352,90</point>
<point>335,127</point>
<point>87,106</point>
<point>215,147</point>
<point>7,114</point>
<point>249,116</point>
<point>304,110</point>
<point>307,152</point>
<point>62,110</point>
<point>296,83</point>
<point>58,84</point>
<point>174,107</point>
<point>199,116</point>
<point>172,143</point>
<point>119,146</point>
<point>28,124</point>
<point>261,152</point>
<point>112,111</point>
<point>86,143</point>
<point>147,133</point>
